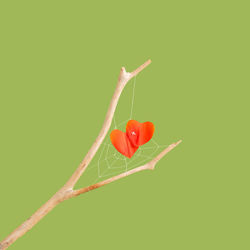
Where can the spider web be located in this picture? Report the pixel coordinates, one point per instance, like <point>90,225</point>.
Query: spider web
<point>109,162</point>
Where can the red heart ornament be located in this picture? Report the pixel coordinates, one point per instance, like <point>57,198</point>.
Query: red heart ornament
<point>136,135</point>
<point>122,144</point>
<point>139,133</point>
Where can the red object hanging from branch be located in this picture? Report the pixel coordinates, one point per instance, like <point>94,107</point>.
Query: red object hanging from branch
<point>136,135</point>
<point>142,134</point>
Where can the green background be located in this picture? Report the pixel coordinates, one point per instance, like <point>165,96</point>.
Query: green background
<point>59,63</point>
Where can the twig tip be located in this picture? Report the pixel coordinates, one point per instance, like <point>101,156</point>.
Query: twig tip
<point>178,142</point>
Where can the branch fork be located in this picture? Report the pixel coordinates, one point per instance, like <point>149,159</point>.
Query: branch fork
<point>67,191</point>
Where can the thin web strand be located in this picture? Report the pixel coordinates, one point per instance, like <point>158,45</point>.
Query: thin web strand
<point>133,99</point>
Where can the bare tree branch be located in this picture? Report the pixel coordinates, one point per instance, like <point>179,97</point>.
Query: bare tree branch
<point>67,191</point>
<point>124,77</point>
<point>148,166</point>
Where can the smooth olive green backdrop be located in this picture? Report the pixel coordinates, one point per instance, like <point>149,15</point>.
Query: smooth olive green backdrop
<point>59,63</point>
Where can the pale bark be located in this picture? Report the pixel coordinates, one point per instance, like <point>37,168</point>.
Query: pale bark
<point>67,191</point>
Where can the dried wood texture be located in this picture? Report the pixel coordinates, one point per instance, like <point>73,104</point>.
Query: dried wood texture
<point>67,191</point>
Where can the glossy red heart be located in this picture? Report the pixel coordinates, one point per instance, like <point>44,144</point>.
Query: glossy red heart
<point>139,133</point>
<point>136,135</point>
<point>122,144</point>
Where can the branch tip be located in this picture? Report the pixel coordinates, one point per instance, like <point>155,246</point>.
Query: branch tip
<point>140,68</point>
<point>178,142</point>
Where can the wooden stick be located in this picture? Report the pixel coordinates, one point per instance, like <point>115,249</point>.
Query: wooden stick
<point>67,191</point>
<point>148,166</point>
<point>124,77</point>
